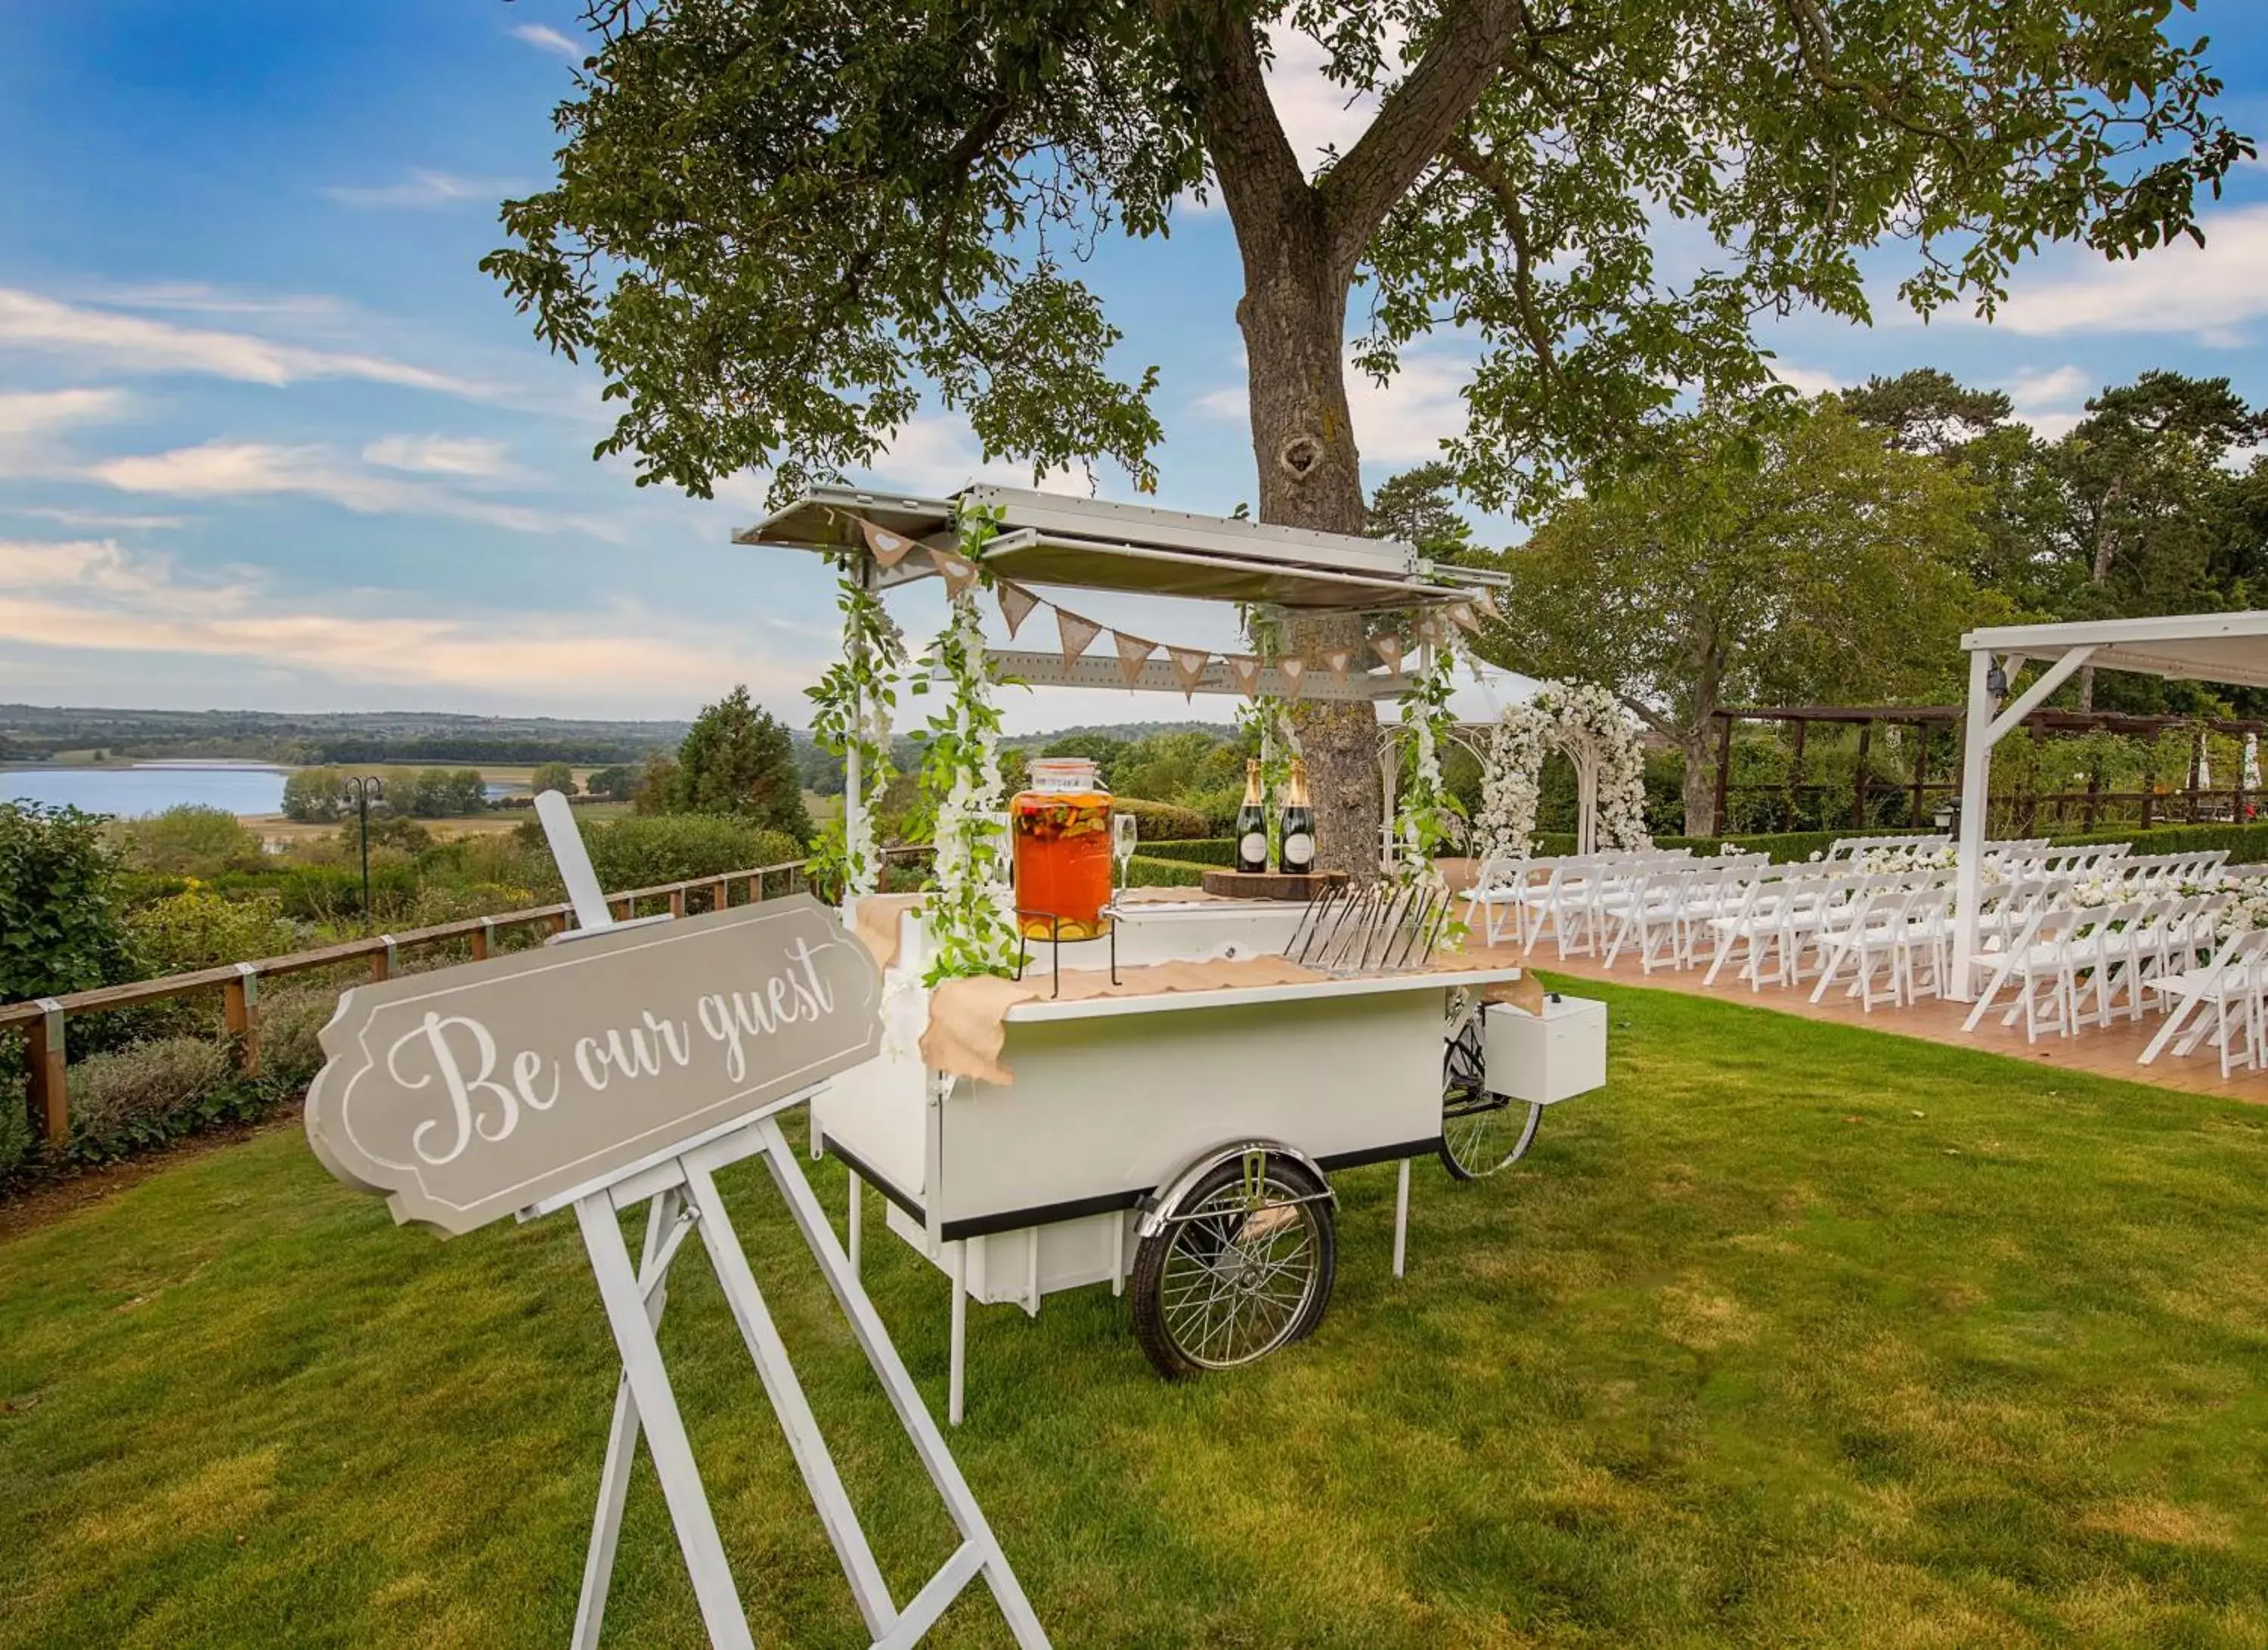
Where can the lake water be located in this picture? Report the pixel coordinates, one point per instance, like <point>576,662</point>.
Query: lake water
<point>151,787</point>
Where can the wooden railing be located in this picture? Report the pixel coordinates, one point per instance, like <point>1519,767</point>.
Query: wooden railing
<point>44,1020</point>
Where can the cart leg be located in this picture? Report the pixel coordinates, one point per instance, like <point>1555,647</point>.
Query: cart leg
<point>1118,1253</point>
<point>1032,1271</point>
<point>852,1227</point>
<point>1401,1216</point>
<point>959,1330</point>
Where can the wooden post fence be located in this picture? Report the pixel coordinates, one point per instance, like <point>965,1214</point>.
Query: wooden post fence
<point>44,1023</point>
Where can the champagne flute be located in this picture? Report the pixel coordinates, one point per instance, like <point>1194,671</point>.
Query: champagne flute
<point>1125,830</point>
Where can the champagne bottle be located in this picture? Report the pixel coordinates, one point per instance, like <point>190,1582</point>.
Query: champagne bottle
<point>1299,850</point>
<point>1252,824</point>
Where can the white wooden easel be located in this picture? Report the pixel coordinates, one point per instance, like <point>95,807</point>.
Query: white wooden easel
<point>680,1189</point>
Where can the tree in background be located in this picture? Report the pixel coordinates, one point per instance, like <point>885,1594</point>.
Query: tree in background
<point>735,759</point>
<point>773,230</point>
<point>1419,507</point>
<point>444,793</point>
<point>616,783</point>
<point>552,776</point>
<point>310,796</point>
<point>1808,562</point>
<point>1100,749</point>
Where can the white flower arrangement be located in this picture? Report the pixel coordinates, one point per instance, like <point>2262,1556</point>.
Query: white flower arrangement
<point>1425,819</point>
<point>1586,722</point>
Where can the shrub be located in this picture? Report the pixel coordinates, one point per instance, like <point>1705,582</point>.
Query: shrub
<point>1162,821</point>
<point>333,894</point>
<point>1205,850</point>
<point>59,929</point>
<point>147,1092</point>
<point>651,849</point>
<point>387,830</point>
<point>199,928</point>
<point>15,1120</point>
<point>192,840</point>
<point>290,1022</point>
<point>1163,873</point>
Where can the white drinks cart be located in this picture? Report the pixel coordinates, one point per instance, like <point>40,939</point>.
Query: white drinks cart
<point>1174,1144</point>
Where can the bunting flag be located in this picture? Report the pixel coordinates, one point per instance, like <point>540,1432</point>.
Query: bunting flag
<point>1387,646</point>
<point>1466,616</point>
<point>1429,630</point>
<point>1188,667</point>
<point>1487,598</point>
<point>1016,604</point>
<point>1133,653</point>
<point>889,547</point>
<point>1291,670</point>
<point>1076,633</point>
<point>1245,667</point>
<point>959,571</point>
<point>1338,661</point>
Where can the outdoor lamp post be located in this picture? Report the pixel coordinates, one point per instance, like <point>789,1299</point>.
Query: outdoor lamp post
<point>358,788</point>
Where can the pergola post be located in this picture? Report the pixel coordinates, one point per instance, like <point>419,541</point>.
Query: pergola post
<point>1984,730</point>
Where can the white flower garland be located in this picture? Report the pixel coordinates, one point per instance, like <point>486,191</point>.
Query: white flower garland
<point>1425,819</point>
<point>1586,722</point>
<point>851,711</point>
<point>970,911</point>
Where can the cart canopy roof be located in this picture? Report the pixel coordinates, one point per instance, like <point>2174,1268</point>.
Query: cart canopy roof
<point>1093,544</point>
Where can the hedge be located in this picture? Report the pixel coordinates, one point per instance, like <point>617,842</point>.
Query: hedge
<point>1163,873</point>
<point>1161,822</point>
<point>1205,851</point>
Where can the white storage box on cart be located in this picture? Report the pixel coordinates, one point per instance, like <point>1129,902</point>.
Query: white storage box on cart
<point>1548,1058</point>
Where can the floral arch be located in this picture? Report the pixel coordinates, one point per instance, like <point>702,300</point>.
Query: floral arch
<point>1586,723</point>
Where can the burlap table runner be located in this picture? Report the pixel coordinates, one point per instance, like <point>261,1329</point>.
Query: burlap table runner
<point>968,1018</point>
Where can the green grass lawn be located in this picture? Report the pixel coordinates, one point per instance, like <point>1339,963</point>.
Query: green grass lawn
<point>1796,1334</point>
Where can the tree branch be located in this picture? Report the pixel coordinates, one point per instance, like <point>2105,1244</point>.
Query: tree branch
<point>1816,47</point>
<point>1219,57</point>
<point>1417,118</point>
<point>1486,171</point>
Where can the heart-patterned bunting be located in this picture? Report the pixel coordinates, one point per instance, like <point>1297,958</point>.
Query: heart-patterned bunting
<point>1429,630</point>
<point>1466,616</point>
<point>889,547</point>
<point>1244,668</point>
<point>958,571</point>
<point>1076,633</point>
<point>1188,667</point>
<point>1016,604</point>
<point>1291,670</point>
<point>1388,646</point>
<point>1338,661</point>
<point>1133,653</point>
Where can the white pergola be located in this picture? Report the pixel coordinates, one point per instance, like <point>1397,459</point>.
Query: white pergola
<point>2223,647</point>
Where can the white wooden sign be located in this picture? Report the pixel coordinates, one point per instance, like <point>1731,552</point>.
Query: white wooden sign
<point>471,1093</point>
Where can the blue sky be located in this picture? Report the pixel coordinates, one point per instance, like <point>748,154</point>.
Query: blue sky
<point>269,438</point>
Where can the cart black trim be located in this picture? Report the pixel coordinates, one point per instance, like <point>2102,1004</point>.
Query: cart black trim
<point>866,1172</point>
<point>1040,1214</point>
<point>1382,1153</point>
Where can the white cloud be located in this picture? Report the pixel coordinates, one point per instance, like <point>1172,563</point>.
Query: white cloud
<point>2182,288</point>
<point>548,39</point>
<point>30,420</point>
<point>1804,381</point>
<point>423,188</point>
<point>90,594</point>
<point>1317,113</point>
<point>107,520</point>
<point>223,469</point>
<point>107,340</point>
<point>198,297</point>
<point>473,456</point>
<point>2050,400</point>
<point>938,454</point>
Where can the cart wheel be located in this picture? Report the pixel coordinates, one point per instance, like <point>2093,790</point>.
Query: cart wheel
<point>1239,1270</point>
<point>1481,1132</point>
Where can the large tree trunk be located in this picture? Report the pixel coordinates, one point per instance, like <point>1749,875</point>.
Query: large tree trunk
<point>1700,784</point>
<point>1294,321</point>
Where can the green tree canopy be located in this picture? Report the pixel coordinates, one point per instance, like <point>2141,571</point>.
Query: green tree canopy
<point>312,795</point>
<point>777,226</point>
<point>1813,562</point>
<point>190,840</point>
<point>735,759</point>
<point>552,776</point>
<point>1419,506</point>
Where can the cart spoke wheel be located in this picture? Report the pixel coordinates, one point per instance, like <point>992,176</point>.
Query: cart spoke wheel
<point>1481,1132</point>
<point>1240,1268</point>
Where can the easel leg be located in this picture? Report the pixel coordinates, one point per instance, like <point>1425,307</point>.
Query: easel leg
<point>796,1419</point>
<point>855,1237</point>
<point>665,1430</point>
<point>905,1397</point>
<point>960,1332</point>
<point>1400,1217</point>
<point>621,1441</point>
